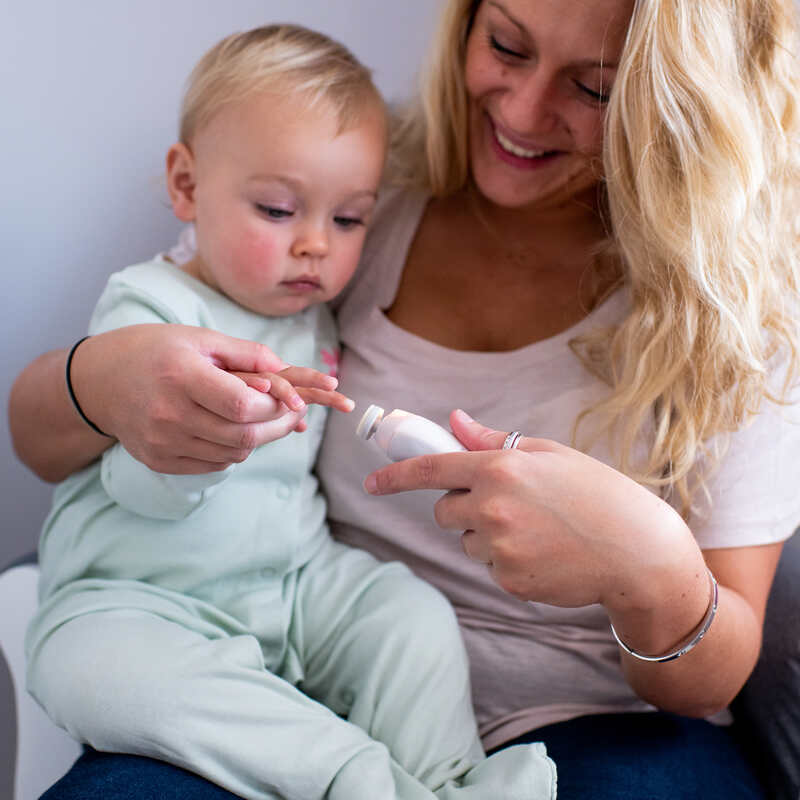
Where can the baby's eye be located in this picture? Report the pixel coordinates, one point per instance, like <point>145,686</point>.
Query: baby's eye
<point>348,222</point>
<point>274,213</point>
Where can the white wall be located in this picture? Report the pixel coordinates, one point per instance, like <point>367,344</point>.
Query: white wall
<point>90,92</point>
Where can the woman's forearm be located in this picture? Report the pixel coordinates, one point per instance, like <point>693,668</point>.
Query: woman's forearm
<point>709,676</point>
<point>47,434</point>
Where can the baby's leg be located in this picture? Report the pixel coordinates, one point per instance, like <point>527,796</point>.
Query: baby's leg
<point>383,649</point>
<point>134,682</point>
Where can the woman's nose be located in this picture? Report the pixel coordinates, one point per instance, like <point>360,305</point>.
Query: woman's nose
<point>530,105</point>
<point>310,242</point>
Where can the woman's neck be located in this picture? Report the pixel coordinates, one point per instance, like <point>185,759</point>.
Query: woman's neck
<point>577,221</point>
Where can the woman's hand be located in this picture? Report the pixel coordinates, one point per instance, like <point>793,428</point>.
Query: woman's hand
<point>167,392</point>
<point>556,526</point>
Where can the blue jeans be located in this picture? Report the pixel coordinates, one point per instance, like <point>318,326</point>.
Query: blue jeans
<point>647,756</point>
<point>650,756</point>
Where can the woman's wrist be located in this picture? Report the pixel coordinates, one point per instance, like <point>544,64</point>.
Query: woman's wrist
<point>38,402</point>
<point>71,389</point>
<point>677,605</point>
<point>661,594</point>
<point>689,642</point>
<point>89,386</point>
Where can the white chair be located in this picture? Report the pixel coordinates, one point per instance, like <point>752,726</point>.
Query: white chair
<point>44,751</point>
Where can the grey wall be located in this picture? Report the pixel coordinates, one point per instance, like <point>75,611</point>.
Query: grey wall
<point>89,105</point>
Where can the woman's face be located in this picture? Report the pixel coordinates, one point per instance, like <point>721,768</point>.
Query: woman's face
<point>538,74</point>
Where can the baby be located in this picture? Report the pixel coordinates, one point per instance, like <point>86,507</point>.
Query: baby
<point>211,621</point>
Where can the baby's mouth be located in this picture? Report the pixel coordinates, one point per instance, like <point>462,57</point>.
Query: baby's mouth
<point>303,283</point>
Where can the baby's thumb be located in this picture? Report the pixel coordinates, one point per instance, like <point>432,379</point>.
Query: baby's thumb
<point>473,435</point>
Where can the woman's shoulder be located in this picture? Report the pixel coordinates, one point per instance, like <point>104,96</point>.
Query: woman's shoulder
<point>752,493</point>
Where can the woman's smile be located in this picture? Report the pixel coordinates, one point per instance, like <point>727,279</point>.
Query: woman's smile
<point>518,155</point>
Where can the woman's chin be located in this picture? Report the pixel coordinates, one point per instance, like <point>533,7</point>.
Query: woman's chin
<point>532,193</point>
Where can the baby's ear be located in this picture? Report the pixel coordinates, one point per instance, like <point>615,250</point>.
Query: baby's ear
<point>181,181</point>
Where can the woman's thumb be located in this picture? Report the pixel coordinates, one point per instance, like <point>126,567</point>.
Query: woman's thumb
<point>472,434</point>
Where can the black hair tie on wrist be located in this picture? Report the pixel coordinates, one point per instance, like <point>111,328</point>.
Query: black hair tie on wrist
<point>72,392</point>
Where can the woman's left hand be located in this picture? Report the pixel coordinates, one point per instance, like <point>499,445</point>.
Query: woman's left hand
<point>556,526</point>
<point>553,524</point>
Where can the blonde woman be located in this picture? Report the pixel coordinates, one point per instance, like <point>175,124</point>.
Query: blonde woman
<point>591,239</point>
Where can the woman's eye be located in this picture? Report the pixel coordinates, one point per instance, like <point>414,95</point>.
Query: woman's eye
<point>502,49</point>
<point>347,222</point>
<point>601,97</point>
<point>272,212</point>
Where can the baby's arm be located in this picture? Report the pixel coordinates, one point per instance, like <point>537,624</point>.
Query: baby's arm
<point>139,489</point>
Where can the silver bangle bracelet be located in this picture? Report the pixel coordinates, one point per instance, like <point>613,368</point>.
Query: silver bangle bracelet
<point>702,630</point>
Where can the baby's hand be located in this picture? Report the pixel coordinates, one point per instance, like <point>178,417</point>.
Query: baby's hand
<point>297,386</point>
<point>314,387</point>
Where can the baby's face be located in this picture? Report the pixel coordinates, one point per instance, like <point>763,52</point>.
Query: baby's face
<point>282,200</point>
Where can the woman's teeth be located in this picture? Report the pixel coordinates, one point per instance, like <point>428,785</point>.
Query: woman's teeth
<point>521,152</point>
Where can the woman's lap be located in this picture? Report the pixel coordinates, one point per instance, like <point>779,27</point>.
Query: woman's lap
<point>113,776</point>
<point>646,756</point>
<point>649,756</point>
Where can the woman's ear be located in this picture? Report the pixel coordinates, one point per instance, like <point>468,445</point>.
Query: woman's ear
<point>181,181</point>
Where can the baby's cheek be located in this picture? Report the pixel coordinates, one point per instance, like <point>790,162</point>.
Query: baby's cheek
<point>256,257</point>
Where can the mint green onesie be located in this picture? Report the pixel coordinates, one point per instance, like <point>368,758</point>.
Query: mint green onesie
<point>211,621</point>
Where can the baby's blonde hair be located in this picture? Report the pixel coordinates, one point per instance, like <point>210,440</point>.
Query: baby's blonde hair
<point>278,58</point>
<point>702,177</point>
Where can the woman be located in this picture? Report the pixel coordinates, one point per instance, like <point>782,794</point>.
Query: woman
<point>596,230</point>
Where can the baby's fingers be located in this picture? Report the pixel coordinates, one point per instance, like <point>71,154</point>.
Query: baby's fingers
<point>310,378</point>
<point>281,389</point>
<point>326,398</point>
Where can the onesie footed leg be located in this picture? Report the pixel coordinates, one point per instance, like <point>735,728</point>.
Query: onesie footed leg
<point>383,650</point>
<point>372,774</point>
<point>521,772</point>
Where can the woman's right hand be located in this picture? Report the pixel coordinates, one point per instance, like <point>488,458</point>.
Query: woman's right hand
<point>166,392</point>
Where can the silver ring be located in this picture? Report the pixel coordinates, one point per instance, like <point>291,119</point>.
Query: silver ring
<point>512,440</point>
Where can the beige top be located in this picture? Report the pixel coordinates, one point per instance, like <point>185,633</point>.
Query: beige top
<point>532,664</point>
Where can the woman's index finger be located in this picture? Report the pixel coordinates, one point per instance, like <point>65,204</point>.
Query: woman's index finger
<point>443,471</point>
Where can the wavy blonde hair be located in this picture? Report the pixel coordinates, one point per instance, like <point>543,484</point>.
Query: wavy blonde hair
<point>702,187</point>
<point>281,58</point>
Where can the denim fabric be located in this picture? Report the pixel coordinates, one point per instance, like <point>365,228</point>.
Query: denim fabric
<point>110,776</point>
<point>647,756</point>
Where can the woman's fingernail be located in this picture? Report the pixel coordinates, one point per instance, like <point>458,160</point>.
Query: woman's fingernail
<point>463,416</point>
<point>371,484</point>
